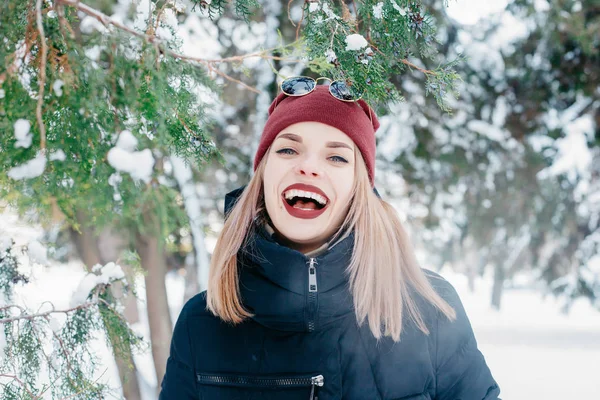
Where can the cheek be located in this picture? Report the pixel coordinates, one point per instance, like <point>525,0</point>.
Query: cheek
<point>343,183</point>
<point>272,179</point>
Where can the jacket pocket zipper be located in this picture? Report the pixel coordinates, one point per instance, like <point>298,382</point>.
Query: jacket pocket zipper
<point>264,382</point>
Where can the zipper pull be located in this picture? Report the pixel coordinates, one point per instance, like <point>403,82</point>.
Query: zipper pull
<point>315,381</point>
<point>312,275</point>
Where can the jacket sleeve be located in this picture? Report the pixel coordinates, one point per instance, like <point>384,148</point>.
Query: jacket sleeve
<point>461,370</point>
<point>179,382</point>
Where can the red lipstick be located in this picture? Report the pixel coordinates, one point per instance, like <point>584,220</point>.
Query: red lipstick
<point>299,213</point>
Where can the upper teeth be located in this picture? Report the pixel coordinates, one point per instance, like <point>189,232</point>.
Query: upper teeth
<point>301,193</point>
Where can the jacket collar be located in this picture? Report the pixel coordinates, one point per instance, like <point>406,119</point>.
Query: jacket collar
<point>274,280</point>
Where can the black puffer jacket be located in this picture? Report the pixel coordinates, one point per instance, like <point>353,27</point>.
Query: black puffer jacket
<point>304,342</point>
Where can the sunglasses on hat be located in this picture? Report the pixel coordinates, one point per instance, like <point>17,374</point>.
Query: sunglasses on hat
<point>303,85</point>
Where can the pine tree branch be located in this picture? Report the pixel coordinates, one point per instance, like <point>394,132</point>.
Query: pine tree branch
<point>152,39</point>
<point>25,316</point>
<point>110,307</point>
<point>64,350</point>
<point>48,361</point>
<point>42,76</point>
<point>13,377</point>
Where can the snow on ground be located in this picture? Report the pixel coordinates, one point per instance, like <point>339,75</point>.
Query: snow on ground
<point>533,350</point>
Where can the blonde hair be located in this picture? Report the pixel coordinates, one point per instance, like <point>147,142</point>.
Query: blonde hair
<point>381,272</point>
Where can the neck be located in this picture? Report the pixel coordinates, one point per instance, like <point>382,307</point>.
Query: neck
<point>303,248</point>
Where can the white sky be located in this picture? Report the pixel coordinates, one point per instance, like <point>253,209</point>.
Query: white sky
<point>471,11</point>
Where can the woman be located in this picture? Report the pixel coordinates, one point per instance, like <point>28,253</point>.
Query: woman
<point>314,291</point>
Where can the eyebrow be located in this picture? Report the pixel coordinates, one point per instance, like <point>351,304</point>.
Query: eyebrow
<point>296,138</point>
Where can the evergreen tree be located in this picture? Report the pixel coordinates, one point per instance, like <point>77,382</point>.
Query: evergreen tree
<point>492,178</point>
<point>95,101</point>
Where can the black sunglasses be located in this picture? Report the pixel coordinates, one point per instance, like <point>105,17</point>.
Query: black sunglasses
<point>303,85</point>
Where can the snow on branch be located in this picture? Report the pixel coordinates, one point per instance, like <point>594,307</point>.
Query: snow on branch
<point>37,342</point>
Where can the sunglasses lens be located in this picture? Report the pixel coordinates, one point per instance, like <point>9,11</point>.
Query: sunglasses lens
<point>343,92</point>
<point>298,86</point>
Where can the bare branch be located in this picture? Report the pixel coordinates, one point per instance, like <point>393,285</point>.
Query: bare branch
<point>25,316</point>
<point>64,22</point>
<point>301,20</point>
<point>290,14</point>
<point>209,63</point>
<point>425,71</point>
<point>264,54</point>
<point>232,79</point>
<point>42,76</point>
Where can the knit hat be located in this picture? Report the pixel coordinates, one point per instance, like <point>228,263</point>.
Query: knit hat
<point>355,119</point>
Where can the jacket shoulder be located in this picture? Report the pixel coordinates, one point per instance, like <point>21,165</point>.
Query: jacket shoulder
<point>461,370</point>
<point>445,289</point>
<point>439,283</point>
<point>458,328</point>
<point>196,307</point>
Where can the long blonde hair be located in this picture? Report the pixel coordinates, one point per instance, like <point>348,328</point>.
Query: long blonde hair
<point>381,272</point>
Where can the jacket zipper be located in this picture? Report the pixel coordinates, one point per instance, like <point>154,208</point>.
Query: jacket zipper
<point>312,293</point>
<point>262,382</point>
<point>316,382</point>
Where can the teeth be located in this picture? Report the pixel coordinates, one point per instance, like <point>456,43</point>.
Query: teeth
<point>301,193</point>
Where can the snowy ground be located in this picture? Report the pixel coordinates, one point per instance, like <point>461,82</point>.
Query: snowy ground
<point>533,350</point>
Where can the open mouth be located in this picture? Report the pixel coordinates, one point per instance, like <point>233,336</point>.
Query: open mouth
<point>304,201</point>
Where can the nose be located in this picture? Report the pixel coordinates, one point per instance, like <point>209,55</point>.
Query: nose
<point>309,166</point>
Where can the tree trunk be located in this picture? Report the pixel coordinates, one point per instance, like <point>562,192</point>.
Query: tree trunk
<point>197,263</point>
<point>471,274</point>
<point>153,260</point>
<point>498,285</point>
<point>192,287</point>
<point>111,246</point>
<point>87,247</point>
<point>472,262</point>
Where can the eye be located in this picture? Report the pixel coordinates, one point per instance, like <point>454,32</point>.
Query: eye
<point>338,159</point>
<point>287,151</point>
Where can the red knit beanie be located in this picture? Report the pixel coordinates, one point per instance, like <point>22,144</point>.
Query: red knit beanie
<point>355,119</point>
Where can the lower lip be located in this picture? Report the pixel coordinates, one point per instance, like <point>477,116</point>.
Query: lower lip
<point>304,214</point>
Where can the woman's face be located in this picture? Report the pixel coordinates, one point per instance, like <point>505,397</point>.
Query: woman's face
<point>308,180</point>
